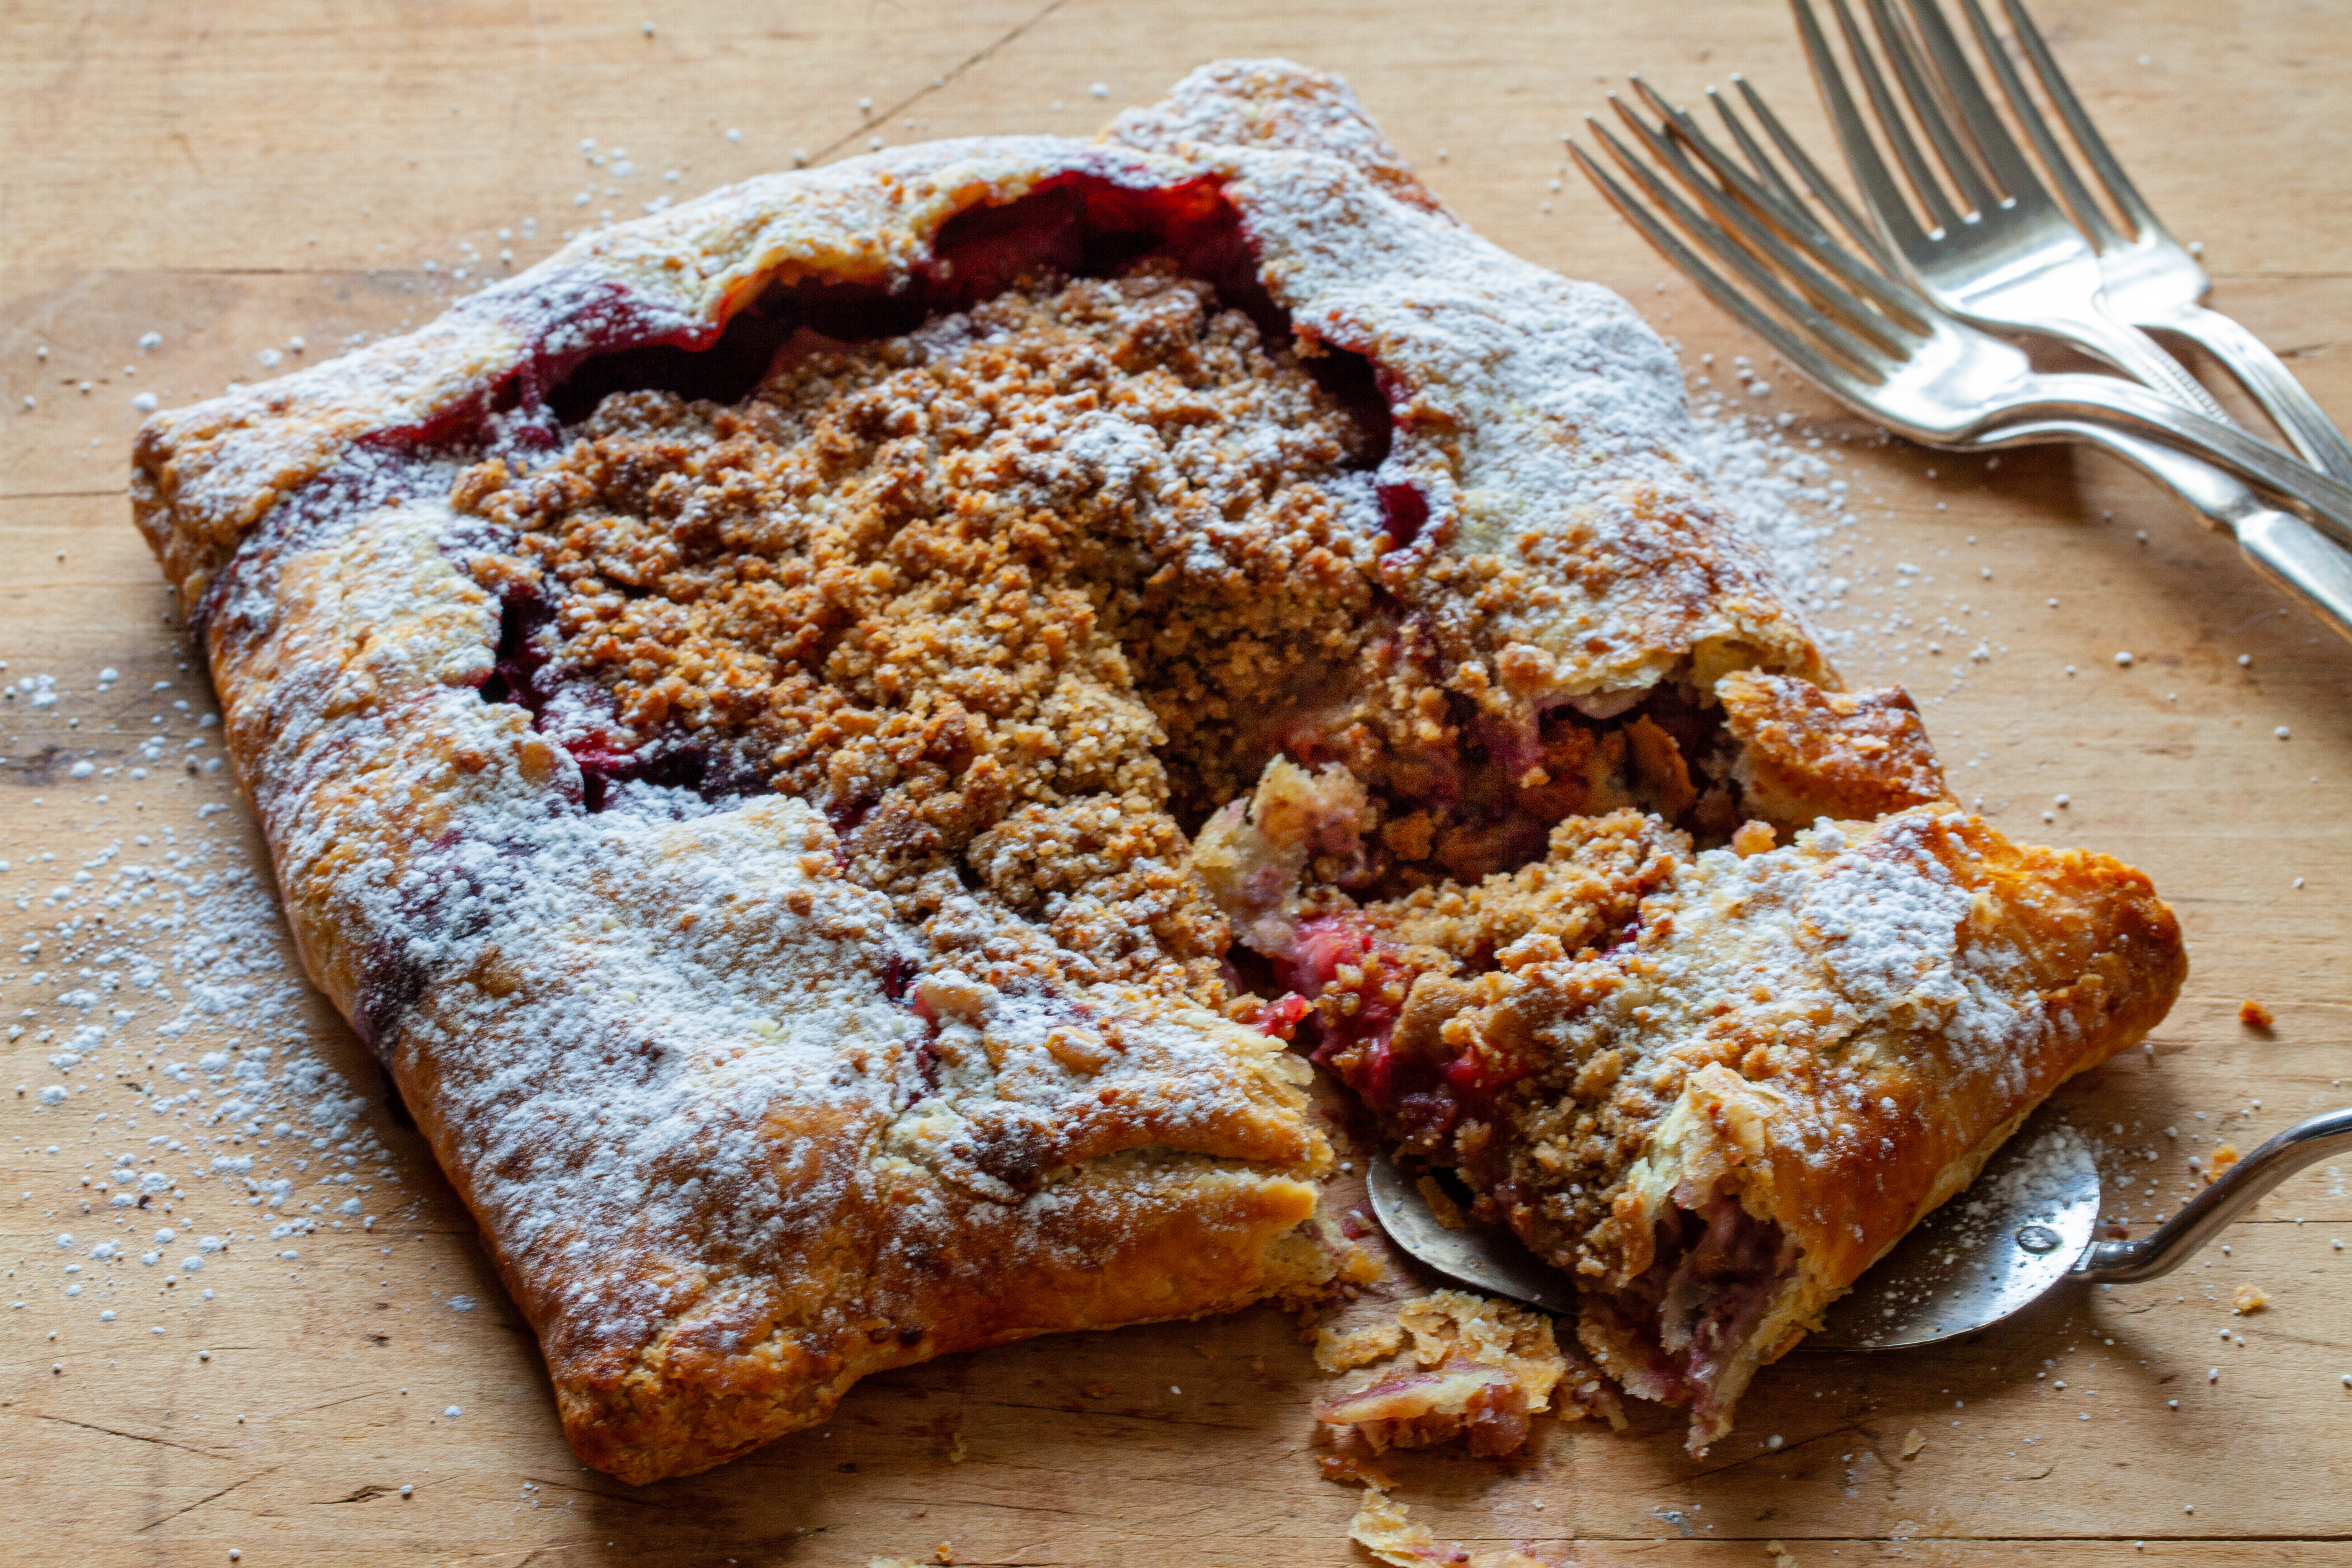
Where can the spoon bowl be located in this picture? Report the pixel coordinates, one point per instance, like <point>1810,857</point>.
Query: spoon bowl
<point>2018,1229</point>
<point>2025,1224</point>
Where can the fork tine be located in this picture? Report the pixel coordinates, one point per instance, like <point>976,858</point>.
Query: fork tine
<point>1761,243</point>
<point>1758,161</point>
<point>2071,190</point>
<point>1858,229</point>
<point>1786,343</point>
<point>1941,216</point>
<point>1921,88</point>
<point>1687,262</point>
<point>1879,190</point>
<point>1808,344</point>
<point>1966,91</point>
<point>1815,249</point>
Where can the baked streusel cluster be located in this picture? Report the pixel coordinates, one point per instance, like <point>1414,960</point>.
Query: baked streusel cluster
<point>1007,597</point>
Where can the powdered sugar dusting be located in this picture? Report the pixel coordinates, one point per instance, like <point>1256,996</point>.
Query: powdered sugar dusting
<point>179,994</point>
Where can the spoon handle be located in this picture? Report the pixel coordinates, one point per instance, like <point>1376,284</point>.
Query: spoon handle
<point>2182,1236</point>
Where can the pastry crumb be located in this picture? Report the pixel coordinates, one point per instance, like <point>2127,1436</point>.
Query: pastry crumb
<point>1780,1556</point>
<point>1382,1527</point>
<point>1481,1368</point>
<point>2251,1298</point>
<point>1337,1352</point>
<point>1753,837</point>
<point>1352,1468</point>
<point>1913,1441</point>
<point>2223,1158</point>
<point>1358,1266</point>
<point>2254,1016</point>
<point>1097,1391</point>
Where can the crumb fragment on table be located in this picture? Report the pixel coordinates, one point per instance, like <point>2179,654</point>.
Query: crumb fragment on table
<point>1382,1527</point>
<point>2224,1156</point>
<point>1913,1441</point>
<point>1352,1468</point>
<point>1483,1369</point>
<point>2251,1298</point>
<point>2254,1016</point>
<point>1337,1352</point>
<point>1780,1556</point>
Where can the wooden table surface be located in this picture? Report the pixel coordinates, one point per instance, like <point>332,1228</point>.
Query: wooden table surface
<point>233,176</point>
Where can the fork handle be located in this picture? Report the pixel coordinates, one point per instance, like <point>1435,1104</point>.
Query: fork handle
<point>2288,551</point>
<point>2180,1238</point>
<point>2264,374</point>
<point>2102,333</point>
<point>2325,501</point>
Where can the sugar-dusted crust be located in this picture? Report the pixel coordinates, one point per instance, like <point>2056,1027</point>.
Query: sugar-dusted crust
<point>815,1007</point>
<point>724,1171</point>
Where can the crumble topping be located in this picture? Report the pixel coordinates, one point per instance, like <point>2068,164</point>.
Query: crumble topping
<point>998,595</point>
<point>1024,599</point>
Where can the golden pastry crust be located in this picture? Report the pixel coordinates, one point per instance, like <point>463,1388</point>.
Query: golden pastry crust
<point>722,1174</point>
<point>753,818</point>
<point>1549,530</point>
<point>1807,753</point>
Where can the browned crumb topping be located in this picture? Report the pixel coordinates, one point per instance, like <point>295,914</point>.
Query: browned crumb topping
<point>2254,1016</point>
<point>1021,598</point>
<point>1588,888</point>
<point>1338,1351</point>
<point>997,594</point>
<point>2249,1299</point>
<point>1550,1156</point>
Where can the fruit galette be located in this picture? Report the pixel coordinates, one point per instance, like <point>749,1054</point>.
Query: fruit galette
<point>845,742</point>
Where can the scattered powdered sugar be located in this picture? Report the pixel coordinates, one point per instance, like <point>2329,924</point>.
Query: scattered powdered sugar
<point>189,1065</point>
<point>1788,500</point>
<point>2055,1168</point>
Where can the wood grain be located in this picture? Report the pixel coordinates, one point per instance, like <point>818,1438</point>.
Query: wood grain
<point>233,176</point>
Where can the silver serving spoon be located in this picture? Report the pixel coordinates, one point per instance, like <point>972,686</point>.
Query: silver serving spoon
<point>2022,1226</point>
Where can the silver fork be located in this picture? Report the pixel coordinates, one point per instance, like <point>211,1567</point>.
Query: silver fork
<point>1844,318</point>
<point>1998,249</point>
<point>2151,278</point>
